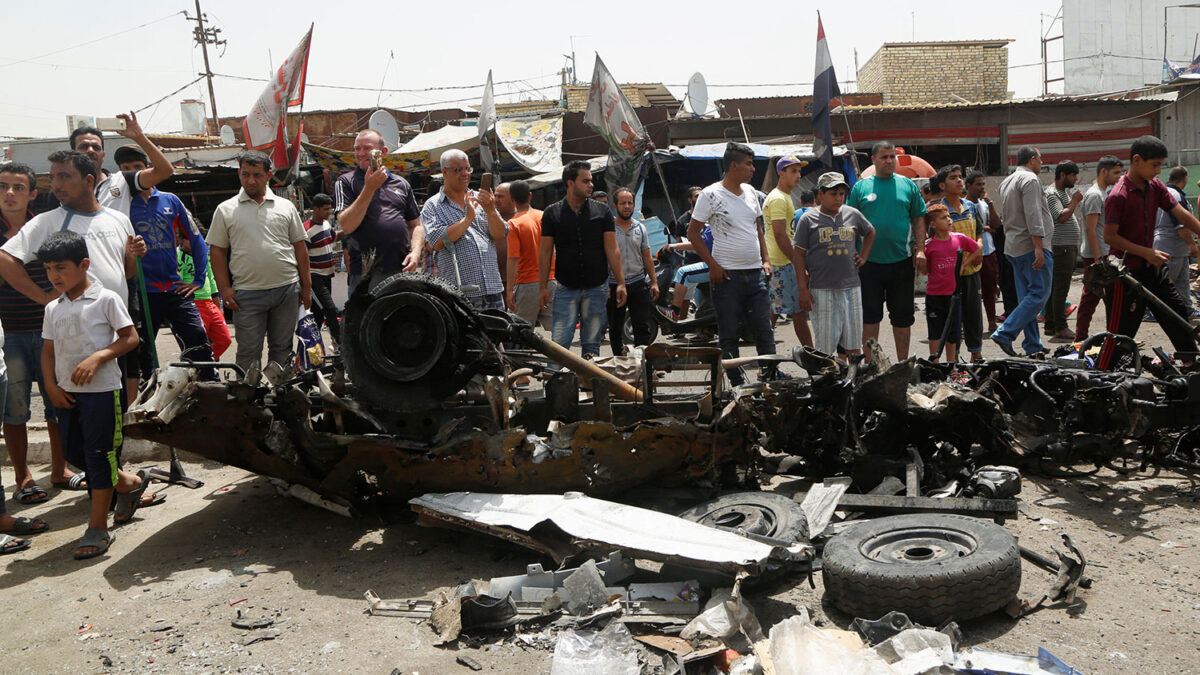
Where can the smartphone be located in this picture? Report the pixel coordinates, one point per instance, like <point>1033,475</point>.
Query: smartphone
<point>376,159</point>
<point>485,181</point>
<point>110,124</point>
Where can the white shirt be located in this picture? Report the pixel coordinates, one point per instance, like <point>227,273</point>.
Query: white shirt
<point>115,192</point>
<point>734,222</point>
<point>82,327</point>
<point>989,245</point>
<point>107,231</point>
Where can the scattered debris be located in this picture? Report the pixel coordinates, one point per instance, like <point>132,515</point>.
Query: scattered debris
<point>260,636</point>
<point>251,624</point>
<point>610,651</point>
<point>468,662</point>
<point>982,661</point>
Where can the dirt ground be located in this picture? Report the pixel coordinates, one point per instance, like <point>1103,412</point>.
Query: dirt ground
<point>163,598</point>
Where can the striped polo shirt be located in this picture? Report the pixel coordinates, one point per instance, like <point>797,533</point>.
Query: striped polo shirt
<point>18,313</point>
<point>320,247</point>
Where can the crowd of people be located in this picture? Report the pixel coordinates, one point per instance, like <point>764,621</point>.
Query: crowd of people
<point>87,284</point>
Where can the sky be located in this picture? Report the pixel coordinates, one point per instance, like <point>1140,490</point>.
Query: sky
<point>58,60</point>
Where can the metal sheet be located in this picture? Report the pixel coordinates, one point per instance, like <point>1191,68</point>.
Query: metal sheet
<point>640,532</point>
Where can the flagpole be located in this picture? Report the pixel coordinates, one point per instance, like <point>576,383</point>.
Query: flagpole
<point>666,191</point>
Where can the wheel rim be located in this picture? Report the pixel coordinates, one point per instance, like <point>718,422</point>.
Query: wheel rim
<point>405,335</point>
<point>919,546</point>
<point>746,517</point>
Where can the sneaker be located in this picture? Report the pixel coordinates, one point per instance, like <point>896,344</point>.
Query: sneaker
<point>667,313</point>
<point>1063,336</point>
<point>1150,317</point>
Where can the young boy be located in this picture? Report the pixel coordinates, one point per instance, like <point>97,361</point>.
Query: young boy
<point>1130,214</point>
<point>206,298</point>
<point>319,240</point>
<point>83,333</point>
<point>827,266</point>
<point>941,253</point>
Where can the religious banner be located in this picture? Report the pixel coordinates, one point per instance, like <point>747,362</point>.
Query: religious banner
<point>266,123</point>
<point>536,144</point>
<point>611,115</point>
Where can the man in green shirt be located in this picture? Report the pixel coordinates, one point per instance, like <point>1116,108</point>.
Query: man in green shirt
<point>779,214</point>
<point>894,206</point>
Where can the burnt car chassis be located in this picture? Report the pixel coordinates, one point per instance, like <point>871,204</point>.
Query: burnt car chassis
<point>422,400</point>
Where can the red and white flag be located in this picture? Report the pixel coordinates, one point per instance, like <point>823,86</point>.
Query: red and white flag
<point>266,123</point>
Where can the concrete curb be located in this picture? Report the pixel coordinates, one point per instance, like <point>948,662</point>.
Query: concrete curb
<point>135,450</point>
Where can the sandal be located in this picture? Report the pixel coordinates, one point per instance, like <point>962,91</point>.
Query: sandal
<point>128,502</point>
<point>22,525</point>
<point>95,538</point>
<point>72,483</point>
<point>11,544</point>
<point>33,494</point>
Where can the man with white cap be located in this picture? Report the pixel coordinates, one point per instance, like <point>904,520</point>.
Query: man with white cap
<point>779,212</point>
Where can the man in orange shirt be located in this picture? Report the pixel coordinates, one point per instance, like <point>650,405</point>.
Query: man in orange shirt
<point>524,238</point>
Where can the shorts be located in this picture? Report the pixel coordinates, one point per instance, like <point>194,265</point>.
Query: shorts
<point>527,297</point>
<point>837,319</point>
<point>23,359</point>
<point>891,283</point>
<point>784,291</point>
<point>692,274</point>
<point>937,313</point>
<point>91,436</point>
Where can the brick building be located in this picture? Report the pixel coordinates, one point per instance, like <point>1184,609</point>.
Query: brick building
<point>938,72</point>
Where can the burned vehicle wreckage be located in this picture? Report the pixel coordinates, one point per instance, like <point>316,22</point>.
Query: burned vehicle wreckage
<point>422,399</point>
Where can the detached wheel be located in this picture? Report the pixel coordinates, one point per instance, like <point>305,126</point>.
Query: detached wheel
<point>764,513</point>
<point>627,330</point>
<point>932,567</point>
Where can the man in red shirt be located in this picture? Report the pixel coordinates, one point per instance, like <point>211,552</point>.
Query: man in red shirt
<point>1130,214</point>
<point>524,240</point>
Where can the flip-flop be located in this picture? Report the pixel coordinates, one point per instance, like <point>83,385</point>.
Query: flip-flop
<point>33,494</point>
<point>152,499</point>
<point>128,502</point>
<point>72,483</point>
<point>96,537</point>
<point>22,525</point>
<point>11,544</point>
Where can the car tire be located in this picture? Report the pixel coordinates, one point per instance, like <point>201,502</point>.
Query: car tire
<point>932,567</point>
<point>763,513</point>
<point>627,329</point>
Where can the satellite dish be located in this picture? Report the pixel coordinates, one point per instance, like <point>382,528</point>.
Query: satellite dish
<point>227,137</point>
<point>383,122</point>
<point>698,94</point>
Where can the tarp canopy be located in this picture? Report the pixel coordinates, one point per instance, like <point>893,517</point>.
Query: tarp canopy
<point>761,151</point>
<point>542,180</point>
<point>341,161</point>
<point>442,139</point>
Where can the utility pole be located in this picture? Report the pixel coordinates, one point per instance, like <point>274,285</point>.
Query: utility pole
<point>206,37</point>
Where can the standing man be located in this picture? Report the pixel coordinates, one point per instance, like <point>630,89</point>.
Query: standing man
<point>579,238</point>
<point>1130,214</point>
<point>507,209</point>
<point>474,228</point>
<point>641,285</point>
<point>989,274</point>
<point>377,209</point>
<point>738,264</point>
<point>116,190</point>
<point>22,325</point>
<point>157,217</point>
<point>965,220</point>
<point>524,242</point>
<point>1108,172</point>
<point>1171,236</point>
<point>260,261</point>
<point>1028,230</point>
<point>319,238</point>
<point>679,228</point>
<point>780,214</point>
<point>894,207</point>
<point>1063,200</point>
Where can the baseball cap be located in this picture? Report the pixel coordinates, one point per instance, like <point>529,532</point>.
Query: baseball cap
<point>785,162</point>
<point>831,179</point>
<point>130,153</point>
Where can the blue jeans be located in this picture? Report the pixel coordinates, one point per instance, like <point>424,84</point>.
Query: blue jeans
<point>742,298</point>
<point>23,357</point>
<point>588,306</point>
<point>1033,288</point>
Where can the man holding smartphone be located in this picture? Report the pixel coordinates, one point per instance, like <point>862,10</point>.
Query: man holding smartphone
<point>378,211</point>
<point>116,190</point>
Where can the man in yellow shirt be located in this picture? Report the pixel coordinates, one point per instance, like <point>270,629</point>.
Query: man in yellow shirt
<point>780,214</point>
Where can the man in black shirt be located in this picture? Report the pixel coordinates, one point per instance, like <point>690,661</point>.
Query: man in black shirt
<point>578,235</point>
<point>679,228</point>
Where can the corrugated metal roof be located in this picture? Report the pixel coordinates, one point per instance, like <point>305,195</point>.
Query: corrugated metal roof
<point>996,42</point>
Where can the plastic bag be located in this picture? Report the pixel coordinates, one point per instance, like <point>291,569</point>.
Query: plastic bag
<point>310,348</point>
<point>611,651</point>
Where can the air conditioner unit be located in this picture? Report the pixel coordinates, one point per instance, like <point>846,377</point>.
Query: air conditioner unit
<point>76,121</point>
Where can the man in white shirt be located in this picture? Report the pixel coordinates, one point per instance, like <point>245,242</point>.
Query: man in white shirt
<point>738,264</point>
<point>116,190</point>
<point>260,261</point>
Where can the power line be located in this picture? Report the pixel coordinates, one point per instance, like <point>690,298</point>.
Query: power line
<point>170,94</point>
<point>379,89</point>
<point>91,42</point>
